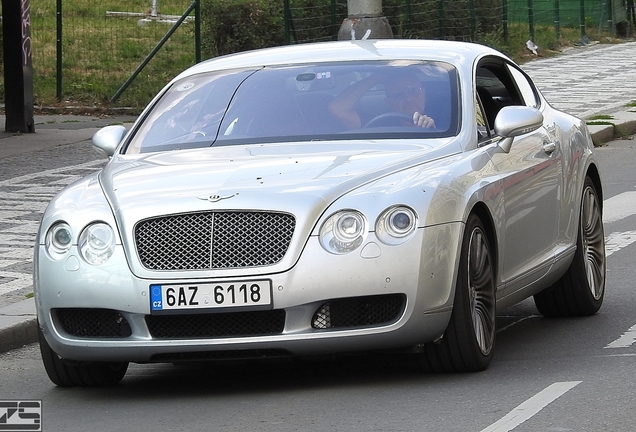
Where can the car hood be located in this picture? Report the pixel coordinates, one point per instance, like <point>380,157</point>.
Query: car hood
<point>281,177</point>
<point>299,179</point>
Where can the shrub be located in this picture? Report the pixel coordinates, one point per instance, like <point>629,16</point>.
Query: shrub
<point>229,26</point>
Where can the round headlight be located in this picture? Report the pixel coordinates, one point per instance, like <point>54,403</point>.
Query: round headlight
<point>396,224</point>
<point>97,243</point>
<point>59,239</point>
<point>343,232</point>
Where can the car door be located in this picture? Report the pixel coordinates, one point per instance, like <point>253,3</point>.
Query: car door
<point>530,179</point>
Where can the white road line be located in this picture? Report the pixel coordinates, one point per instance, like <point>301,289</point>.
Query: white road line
<point>619,207</point>
<point>618,240</point>
<point>626,340</point>
<point>614,209</point>
<point>531,407</point>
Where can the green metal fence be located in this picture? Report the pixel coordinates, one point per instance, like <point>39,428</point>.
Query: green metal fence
<point>120,54</point>
<point>458,19</point>
<point>85,52</point>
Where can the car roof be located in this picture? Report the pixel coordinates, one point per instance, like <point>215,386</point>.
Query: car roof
<point>457,53</point>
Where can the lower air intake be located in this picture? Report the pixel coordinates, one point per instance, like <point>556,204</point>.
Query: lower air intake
<point>233,324</point>
<point>92,323</point>
<point>359,312</point>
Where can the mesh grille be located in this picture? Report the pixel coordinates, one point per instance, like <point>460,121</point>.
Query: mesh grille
<point>359,311</point>
<point>257,323</point>
<point>100,323</point>
<point>214,240</point>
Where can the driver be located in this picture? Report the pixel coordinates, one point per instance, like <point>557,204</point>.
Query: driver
<point>403,94</point>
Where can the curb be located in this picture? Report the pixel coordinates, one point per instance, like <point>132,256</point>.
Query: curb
<point>18,325</point>
<point>619,125</point>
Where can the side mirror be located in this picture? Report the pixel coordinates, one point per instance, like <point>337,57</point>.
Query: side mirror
<point>513,121</point>
<point>108,138</point>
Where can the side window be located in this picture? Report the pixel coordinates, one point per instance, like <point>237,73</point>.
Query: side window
<point>483,130</point>
<point>526,88</point>
<point>499,84</point>
<point>492,93</point>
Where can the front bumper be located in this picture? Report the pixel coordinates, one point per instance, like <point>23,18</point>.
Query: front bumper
<point>420,273</point>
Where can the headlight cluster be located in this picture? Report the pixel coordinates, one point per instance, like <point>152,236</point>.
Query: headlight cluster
<point>59,239</point>
<point>96,242</point>
<point>396,225</point>
<point>345,230</point>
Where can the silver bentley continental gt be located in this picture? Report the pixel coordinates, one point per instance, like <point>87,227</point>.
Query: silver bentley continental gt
<point>322,198</point>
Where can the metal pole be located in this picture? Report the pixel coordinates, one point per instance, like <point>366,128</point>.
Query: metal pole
<point>197,31</point>
<point>610,19</point>
<point>531,19</point>
<point>365,21</point>
<point>582,18</point>
<point>58,51</point>
<point>557,19</point>
<point>18,66</point>
<point>286,17</point>
<point>504,19</point>
<point>473,20</point>
<point>440,12</point>
<point>334,25</point>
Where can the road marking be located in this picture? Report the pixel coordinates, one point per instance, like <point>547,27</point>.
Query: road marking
<point>626,340</point>
<point>531,407</point>
<point>619,207</point>
<point>618,240</point>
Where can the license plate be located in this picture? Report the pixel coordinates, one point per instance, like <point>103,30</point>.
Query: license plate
<point>219,295</point>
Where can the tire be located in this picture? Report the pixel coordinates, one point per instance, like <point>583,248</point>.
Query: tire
<point>66,373</point>
<point>469,340</point>
<point>581,289</point>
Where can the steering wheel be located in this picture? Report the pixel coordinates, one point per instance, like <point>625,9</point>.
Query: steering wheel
<point>392,118</point>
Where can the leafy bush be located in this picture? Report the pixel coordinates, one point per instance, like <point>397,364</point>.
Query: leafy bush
<point>229,26</point>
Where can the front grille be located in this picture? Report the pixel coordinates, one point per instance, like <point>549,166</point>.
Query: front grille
<point>359,311</point>
<point>233,324</point>
<point>92,323</point>
<point>214,240</point>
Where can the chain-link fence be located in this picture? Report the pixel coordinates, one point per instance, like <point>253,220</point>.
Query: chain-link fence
<point>86,53</point>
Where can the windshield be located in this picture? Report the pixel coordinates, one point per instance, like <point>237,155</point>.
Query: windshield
<point>334,101</point>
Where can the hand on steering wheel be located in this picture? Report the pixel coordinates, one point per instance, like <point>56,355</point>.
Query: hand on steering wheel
<point>422,120</point>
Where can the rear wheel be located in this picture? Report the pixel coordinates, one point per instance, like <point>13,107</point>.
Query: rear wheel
<point>66,373</point>
<point>581,289</point>
<point>469,340</point>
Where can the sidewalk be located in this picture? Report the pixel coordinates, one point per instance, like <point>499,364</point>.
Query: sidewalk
<point>553,76</point>
<point>18,320</point>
